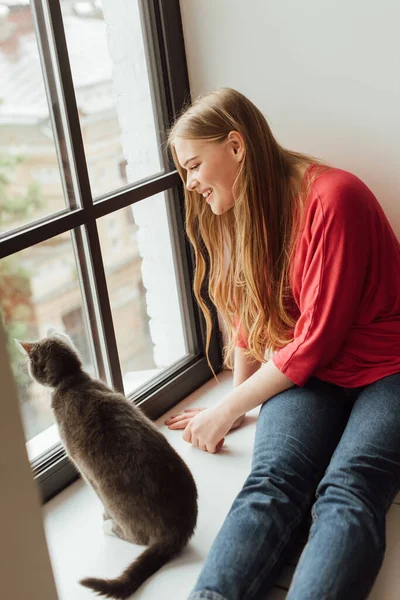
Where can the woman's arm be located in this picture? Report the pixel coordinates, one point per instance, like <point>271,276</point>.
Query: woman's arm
<point>264,383</point>
<point>208,429</point>
<point>244,368</point>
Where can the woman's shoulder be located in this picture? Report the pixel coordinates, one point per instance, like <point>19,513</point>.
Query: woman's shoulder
<point>339,190</point>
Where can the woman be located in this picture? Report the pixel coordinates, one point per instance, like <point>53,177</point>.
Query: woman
<point>304,268</point>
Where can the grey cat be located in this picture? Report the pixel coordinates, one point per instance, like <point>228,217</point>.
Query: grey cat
<point>148,492</point>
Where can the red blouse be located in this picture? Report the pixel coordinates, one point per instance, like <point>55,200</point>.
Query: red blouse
<point>346,288</point>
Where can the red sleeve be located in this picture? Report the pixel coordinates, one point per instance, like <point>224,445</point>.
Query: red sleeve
<point>333,265</point>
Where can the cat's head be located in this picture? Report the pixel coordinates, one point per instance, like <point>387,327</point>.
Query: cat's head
<point>52,359</point>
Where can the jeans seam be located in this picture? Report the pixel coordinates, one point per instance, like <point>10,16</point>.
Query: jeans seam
<point>274,557</point>
<point>206,595</point>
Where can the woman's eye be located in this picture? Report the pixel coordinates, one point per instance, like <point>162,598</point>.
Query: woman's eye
<point>193,167</point>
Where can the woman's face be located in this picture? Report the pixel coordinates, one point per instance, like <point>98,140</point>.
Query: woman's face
<point>211,168</point>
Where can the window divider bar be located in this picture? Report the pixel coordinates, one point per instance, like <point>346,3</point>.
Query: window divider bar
<point>182,269</point>
<point>40,232</point>
<point>123,198</point>
<point>59,41</point>
<point>90,306</point>
<point>103,302</point>
<point>59,125</point>
<point>53,225</point>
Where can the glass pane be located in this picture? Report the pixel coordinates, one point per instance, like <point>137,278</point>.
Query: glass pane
<point>40,290</point>
<point>113,92</point>
<point>141,279</point>
<point>30,183</point>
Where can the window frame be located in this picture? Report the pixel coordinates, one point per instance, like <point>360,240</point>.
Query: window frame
<point>167,65</point>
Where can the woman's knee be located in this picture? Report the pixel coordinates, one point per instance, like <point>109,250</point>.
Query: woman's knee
<point>282,471</point>
<point>344,495</point>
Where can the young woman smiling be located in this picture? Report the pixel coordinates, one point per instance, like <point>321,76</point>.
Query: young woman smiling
<point>301,267</point>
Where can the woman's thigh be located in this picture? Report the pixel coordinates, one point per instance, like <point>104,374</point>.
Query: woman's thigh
<point>366,462</point>
<point>298,430</point>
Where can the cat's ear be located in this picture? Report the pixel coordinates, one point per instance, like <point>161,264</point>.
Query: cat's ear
<point>24,346</point>
<point>51,331</point>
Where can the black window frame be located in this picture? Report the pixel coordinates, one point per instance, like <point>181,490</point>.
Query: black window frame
<point>161,21</point>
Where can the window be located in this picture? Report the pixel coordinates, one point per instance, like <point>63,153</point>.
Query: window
<point>91,212</point>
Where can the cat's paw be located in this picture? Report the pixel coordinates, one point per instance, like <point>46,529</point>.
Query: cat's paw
<point>108,525</point>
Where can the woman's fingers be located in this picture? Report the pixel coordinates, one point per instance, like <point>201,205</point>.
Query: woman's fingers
<point>214,449</point>
<point>178,424</point>
<point>176,419</point>
<point>187,435</point>
<point>220,444</point>
<point>187,414</point>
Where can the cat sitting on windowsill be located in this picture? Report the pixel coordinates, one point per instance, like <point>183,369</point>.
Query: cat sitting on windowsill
<point>148,493</point>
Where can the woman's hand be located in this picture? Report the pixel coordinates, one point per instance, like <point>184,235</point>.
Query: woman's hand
<point>208,428</point>
<point>181,420</point>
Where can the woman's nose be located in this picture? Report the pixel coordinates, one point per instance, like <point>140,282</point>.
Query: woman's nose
<point>191,182</point>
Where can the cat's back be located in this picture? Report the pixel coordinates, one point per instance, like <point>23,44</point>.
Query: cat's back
<point>103,429</point>
<point>83,408</point>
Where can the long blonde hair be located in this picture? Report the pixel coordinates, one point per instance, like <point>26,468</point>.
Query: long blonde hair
<point>253,290</point>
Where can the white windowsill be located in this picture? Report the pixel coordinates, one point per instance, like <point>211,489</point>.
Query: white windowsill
<point>79,548</point>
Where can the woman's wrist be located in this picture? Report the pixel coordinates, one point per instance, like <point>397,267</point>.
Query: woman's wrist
<point>267,382</point>
<point>228,410</point>
<point>238,422</point>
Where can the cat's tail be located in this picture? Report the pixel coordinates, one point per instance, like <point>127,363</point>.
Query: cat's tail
<point>141,569</point>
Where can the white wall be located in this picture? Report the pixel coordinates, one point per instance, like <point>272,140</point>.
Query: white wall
<point>325,74</point>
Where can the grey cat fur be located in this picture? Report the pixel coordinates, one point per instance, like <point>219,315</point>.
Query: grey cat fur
<point>145,486</point>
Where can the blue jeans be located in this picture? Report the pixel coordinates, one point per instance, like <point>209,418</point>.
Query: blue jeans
<point>342,444</point>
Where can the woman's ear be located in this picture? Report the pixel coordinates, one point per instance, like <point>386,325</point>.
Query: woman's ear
<point>236,142</point>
